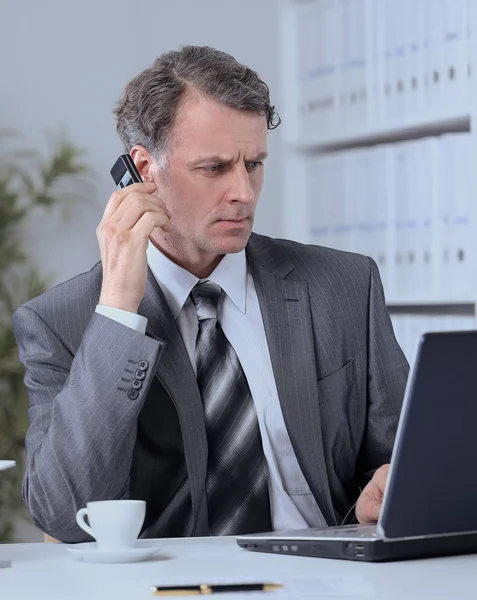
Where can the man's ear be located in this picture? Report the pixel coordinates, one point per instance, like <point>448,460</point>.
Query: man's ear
<point>143,161</point>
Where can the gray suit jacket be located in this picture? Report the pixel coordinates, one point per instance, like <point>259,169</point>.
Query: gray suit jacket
<point>340,376</point>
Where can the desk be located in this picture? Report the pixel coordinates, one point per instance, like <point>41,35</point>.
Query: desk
<point>48,572</point>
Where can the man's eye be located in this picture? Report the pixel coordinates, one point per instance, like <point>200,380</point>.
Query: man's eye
<point>254,165</point>
<point>213,169</point>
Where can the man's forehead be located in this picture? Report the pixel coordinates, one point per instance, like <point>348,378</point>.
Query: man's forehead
<point>197,114</point>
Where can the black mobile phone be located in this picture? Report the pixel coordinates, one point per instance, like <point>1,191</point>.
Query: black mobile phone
<point>124,172</point>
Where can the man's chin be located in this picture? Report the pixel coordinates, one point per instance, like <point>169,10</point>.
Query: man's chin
<point>232,242</point>
<point>232,245</point>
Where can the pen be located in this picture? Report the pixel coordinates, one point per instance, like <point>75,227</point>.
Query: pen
<point>204,589</point>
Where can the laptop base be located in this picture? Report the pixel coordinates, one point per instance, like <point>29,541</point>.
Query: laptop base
<point>365,550</point>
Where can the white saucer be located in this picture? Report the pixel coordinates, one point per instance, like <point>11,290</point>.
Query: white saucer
<point>6,464</point>
<point>89,552</point>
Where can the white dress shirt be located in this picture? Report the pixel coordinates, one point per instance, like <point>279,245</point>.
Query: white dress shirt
<point>292,503</point>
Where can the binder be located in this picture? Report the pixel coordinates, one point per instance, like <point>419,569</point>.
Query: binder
<point>317,200</point>
<point>326,201</point>
<point>400,327</point>
<point>402,220</point>
<point>425,199</point>
<point>434,59</point>
<point>447,169</point>
<point>320,65</point>
<point>416,327</point>
<point>413,76</point>
<point>379,62</point>
<point>347,44</point>
<point>381,209</point>
<point>397,28</point>
<point>340,203</point>
<point>306,37</point>
<point>416,186</point>
<point>358,200</point>
<point>462,255</point>
<point>356,62</point>
<point>388,15</point>
<point>325,75</point>
<point>334,43</point>
<point>455,76</point>
<point>456,218</point>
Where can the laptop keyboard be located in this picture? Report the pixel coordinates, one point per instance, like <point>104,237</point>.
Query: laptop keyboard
<point>362,531</point>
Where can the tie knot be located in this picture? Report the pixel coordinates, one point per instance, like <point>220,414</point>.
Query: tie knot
<point>206,296</point>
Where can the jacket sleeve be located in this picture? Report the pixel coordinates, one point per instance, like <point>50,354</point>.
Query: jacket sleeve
<point>386,382</point>
<point>82,417</point>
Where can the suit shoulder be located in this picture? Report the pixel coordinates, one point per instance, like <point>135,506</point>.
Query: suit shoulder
<point>311,255</point>
<point>82,290</point>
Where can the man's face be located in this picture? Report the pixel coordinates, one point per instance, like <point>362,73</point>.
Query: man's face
<point>212,180</point>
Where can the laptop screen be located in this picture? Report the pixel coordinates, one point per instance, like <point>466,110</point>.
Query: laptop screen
<point>432,486</point>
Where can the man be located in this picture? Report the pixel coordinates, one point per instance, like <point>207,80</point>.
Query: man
<point>235,382</point>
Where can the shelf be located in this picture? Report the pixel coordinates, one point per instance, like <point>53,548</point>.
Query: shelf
<point>466,309</point>
<point>382,135</point>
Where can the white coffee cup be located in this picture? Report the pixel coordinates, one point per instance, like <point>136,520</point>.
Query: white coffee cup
<point>114,524</point>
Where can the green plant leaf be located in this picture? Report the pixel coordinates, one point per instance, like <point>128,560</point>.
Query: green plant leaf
<point>29,182</point>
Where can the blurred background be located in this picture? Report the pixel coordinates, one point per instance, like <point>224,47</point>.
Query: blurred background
<point>375,155</point>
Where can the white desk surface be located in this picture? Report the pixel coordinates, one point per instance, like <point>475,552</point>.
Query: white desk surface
<point>49,572</point>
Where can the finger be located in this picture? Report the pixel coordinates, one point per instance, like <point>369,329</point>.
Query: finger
<point>163,205</point>
<point>135,198</point>
<point>367,511</point>
<point>148,201</point>
<point>118,196</point>
<point>136,210</point>
<point>381,477</point>
<point>373,510</point>
<point>148,222</point>
<point>167,227</point>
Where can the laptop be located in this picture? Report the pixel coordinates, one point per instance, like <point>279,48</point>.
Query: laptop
<point>430,502</point>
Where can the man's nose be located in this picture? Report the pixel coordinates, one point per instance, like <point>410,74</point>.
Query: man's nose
<point>240,188</point>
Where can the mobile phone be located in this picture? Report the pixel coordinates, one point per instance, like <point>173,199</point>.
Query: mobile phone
<point>124,172</point>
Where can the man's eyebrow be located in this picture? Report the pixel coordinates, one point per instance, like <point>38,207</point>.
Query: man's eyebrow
<point>211,158</point>
<point>261,156</point>
<point>221,159</point>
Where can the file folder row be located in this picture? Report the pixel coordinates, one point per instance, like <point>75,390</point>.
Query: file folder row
<point>362,64</point>
<point>409,328</point>
<point>409,206</point>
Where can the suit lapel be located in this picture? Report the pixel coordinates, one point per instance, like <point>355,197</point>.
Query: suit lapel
<point>178,378</point>
<point>285,308</point>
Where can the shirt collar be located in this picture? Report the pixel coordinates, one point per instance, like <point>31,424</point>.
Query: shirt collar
<point>176,283</point>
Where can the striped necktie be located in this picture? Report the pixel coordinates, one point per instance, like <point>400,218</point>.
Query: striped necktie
<point>237,474</point>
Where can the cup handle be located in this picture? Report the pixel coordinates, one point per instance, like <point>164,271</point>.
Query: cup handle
<point>80,519</point>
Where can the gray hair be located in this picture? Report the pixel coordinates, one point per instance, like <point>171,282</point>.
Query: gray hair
<point>146,112</point>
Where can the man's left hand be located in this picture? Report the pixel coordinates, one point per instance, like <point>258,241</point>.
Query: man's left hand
<point>369,503</point>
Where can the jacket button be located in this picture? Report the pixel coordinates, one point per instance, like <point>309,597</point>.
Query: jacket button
<point>135,383</point>
<point>132,394</point>
<point>143,365</point>
<point>139,375</point>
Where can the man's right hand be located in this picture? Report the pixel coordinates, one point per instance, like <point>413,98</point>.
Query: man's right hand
<point>130,217</point>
